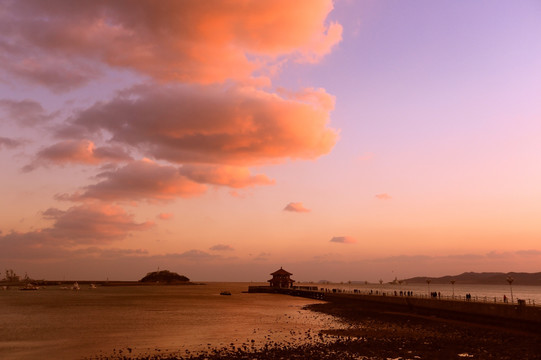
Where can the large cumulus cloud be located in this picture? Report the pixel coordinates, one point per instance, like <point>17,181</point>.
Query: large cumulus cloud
<point>205,113</point>
<point>202,124</point>
<point>188,41</point>
<point>205,104</point>
<point>77,152</point>
<point>140,180</point>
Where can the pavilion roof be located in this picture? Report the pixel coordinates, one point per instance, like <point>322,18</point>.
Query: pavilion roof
<point>281,272</point>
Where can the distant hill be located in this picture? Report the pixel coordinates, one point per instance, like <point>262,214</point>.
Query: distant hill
<point>486,278</point>
<point>164,276</point>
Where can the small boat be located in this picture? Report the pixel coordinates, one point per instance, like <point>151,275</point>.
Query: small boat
<point>29,287</point>
<point>93,286</point>
<point>76,286</point>
<point>225,293</point>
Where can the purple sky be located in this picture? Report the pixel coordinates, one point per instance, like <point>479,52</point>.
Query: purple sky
<point>353,140</point>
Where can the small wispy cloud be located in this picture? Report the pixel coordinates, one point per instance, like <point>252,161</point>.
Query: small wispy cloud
<point>263,256</point>
<point>195,255</point>
<point>296,207</point>
<point>25,112</point>
<point>9,143</point>
<point>343,240</point>
<point>221,247</point>
<point>530,252</point>
<point>165,216</point>
<point>366,157</point>
<point>383,196</point>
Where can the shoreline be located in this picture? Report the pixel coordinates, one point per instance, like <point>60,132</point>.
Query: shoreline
<point>97,283</point>
<point>378,334</point>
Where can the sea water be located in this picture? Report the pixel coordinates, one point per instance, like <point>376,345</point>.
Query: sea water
<point>55,323</point>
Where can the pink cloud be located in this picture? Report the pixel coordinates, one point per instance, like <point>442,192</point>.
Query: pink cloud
<point>232,176</point>
<point>62,45</point>
<point>165,216</point>
<point>203,106</point>
<point>221,247</point>
<point>296,207</point>
<point>187,124</point>
<point>78,225</point>
<point>262,256</point>
<point>141,180</point>
<point>58,75</point>
<point>9,143</point>
<point>383,196</point>
<point>108,253</point>
<point>530,252</point>
<point>366,157</point>
<point>91,223</point>
<point>343,240</point>
<point>194,255</point>
<point>77,151</point>
<point>236,194</point>
<point>24,112</point>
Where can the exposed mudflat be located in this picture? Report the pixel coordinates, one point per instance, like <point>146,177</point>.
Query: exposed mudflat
<point>383,335</point>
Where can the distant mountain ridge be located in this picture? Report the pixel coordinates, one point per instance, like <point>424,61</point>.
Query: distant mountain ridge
<point>485,278</point>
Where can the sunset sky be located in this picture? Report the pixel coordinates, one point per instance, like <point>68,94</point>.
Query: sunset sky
<point>345,140</point>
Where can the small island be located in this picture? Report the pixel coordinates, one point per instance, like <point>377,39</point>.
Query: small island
<point>165,277</point>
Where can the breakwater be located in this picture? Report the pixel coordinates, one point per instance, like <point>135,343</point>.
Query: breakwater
<point>517,315</point>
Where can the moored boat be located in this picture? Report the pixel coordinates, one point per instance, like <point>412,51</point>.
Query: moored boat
<point>29,286</point>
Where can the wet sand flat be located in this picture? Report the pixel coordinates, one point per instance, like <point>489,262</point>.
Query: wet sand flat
<point>370,334</point>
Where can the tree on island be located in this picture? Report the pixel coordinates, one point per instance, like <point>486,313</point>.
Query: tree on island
<point>12,277</point>
<point>164,276</point>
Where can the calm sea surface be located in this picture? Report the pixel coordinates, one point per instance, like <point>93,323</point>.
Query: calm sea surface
<point>53,323</point>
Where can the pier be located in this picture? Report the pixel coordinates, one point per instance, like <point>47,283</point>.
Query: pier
<point>518,315</point>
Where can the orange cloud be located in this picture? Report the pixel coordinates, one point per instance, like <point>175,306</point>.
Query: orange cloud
<point>194,255</point>
<point>236,194</point>
<point>78,225</point>
<point>202,109</point>
<point>322,43</point>
<point>141,180</point>
<point>89,223</point>
<point>221,247</point>
<point>366,157</point>
<point>165,216</point>
<point>77,151</point>
<point>343,240</point>
<point>194,124</point>
<point>232,176</point>
<point>383,196</point>
<point>262,256</point>
<point>62,45</point>
<point>296,207</point>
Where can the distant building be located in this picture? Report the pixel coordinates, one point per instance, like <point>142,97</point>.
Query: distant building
<point>281,279</point>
